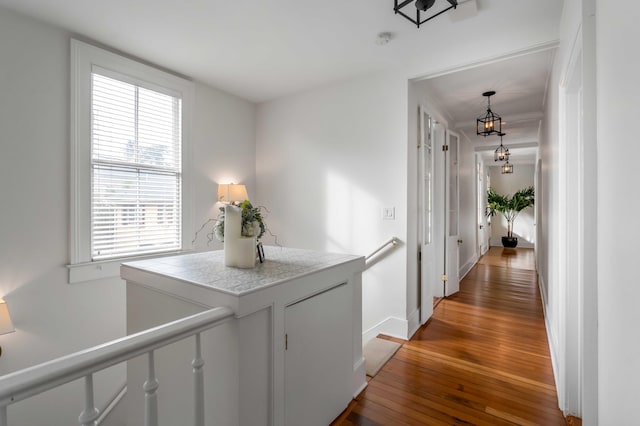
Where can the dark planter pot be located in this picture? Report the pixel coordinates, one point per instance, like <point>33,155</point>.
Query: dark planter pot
<point>509,242</point>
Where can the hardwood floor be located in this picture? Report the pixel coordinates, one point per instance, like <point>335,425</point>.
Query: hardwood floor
<point>482,359</point>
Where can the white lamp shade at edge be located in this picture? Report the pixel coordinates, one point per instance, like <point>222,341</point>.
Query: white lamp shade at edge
<point>230,192</point>
<point>6,325</point>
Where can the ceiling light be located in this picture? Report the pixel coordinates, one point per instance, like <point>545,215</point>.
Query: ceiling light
<point>501,153</point>
<point>490,123</point>
<point>421,6</point>
<point>506,168</point>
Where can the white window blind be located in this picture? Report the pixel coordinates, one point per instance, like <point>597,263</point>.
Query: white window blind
<point>136,170</point>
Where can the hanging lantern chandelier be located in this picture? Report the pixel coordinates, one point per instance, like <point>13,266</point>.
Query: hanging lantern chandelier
<point>421,6</point>
<point>501,153</point>
<point>490,123</point>
<point>507,168</point>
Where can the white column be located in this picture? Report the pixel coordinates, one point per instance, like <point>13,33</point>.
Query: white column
<point>3,416</point>
<point>198,384</point>
<point>90,414</point>
<point>151,397</point>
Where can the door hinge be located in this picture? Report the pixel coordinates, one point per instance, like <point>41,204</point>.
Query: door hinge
<point>419,255</point>
<point>286,342</point>
<point>445,147</point>
<point>444,277</point>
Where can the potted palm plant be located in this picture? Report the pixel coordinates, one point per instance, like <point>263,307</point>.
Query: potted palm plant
<point>509,207</point>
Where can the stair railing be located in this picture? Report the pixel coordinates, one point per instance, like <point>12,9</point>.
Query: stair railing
<point>31,381</point>
<point>390,243</point>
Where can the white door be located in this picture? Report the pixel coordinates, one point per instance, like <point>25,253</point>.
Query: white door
<point>429,271</point>
<point>452,204</point>
<point>436,260</point>
<point>318,358</point>
<point>481,204</point>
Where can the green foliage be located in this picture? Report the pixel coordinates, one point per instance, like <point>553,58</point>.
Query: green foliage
<point>509,207</point>
<point>252,223</point>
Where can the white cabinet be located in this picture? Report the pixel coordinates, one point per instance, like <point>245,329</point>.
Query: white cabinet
<point>318,364</point>
<point>292,355</point>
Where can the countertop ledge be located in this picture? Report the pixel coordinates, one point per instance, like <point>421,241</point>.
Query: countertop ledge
<point>207,269</point>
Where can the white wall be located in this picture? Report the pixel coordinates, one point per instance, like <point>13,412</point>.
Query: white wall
<point>618,67</point>
<point>328,161</point>
<point>548,198</point>
<point>507,184</point>
<point>51,317</point>
<point>223,152</point>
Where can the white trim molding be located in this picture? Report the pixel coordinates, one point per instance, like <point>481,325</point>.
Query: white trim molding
<point>391,326</point>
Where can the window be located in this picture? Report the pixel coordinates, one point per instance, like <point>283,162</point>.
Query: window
<point>129,142</point>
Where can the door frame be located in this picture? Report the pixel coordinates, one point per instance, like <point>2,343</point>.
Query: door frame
<point>578,355</point>
<point>451,242</point>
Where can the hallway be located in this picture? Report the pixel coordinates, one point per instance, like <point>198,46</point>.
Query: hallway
<point>482,358</point>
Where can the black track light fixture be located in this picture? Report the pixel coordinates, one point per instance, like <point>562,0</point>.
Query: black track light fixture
<point>421,6</point>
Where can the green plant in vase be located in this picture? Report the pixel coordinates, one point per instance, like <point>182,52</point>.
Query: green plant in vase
<point>509,208</point>
<point>252,223</point>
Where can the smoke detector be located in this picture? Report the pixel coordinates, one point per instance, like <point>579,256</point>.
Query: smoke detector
<point>383,38</point>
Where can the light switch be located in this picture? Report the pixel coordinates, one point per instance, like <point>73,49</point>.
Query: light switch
<point>389,213</point>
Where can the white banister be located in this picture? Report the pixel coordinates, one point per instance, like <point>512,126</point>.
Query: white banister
<point>31,381</point>
<point>150,396</point>
<point>90,413</point>
<point>393,241</point>
<point>198,384</point>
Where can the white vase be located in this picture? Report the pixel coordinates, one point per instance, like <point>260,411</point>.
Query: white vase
<point>232,230</point>
<point>246,250</point>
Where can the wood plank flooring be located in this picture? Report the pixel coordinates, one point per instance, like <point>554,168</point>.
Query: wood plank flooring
<point>482,359</point>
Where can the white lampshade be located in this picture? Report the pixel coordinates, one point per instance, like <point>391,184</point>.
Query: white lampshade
<point>230,192</point>
<point>6,326</point>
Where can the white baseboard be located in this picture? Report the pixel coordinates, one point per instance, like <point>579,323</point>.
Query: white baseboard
<point>550,336</point>
<point>394,327</point>
<point>467,267</point>
<point>413,323</point>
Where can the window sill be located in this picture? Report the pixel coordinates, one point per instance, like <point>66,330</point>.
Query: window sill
<point>89,271</point>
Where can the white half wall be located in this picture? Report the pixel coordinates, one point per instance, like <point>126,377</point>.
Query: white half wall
<point>51,317</point>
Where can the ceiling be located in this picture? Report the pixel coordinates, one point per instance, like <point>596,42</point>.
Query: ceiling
<point>271,48</point>
<point>520,83</point>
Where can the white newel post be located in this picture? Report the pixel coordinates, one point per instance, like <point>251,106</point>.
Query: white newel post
<point>198,381</point>
<point>3,415</point>
<point>90,414</point>
<point>150,396</point>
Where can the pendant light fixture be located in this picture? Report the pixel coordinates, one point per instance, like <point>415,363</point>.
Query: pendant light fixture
<point>501,153</point>
<point>421,6</point>
<point>490,123</point>
<point>507,168</point>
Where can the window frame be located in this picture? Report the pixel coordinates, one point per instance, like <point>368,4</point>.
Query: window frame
<point>84,57</point>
